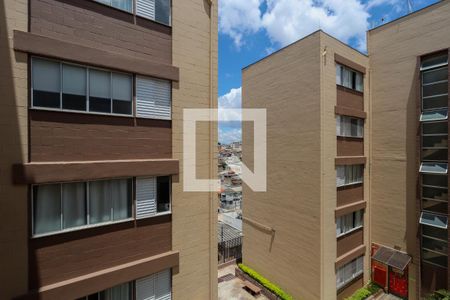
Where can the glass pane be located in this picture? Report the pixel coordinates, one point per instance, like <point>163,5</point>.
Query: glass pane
<point>46,83</point>
<point>121,198</point>
<point>162,13</point>
<point>433,220</point>
<point>435,180</point>
<point>338,74</point>
<point>434,245</point>
<point>74,87</point>
<point>354,127</point>
<point>435,154</point>
<point>434,258</point>
<point>435,206</point>
<point>435,128</point>
<point>120,292</point>
<point>435,89</point>
<point>99,91</point>
<point>74,204</point>
<point>163,194</point>
<point>99,201</point>
<point>123,4</point>
<point>435,75</point>
<point>122,90</point>
<point>434,232</point>
<point>347,80</point>
<point>430,62</point>
<point>435,102</point>
<point>436,168</point>
<point>46,208</point>
<point>359,82</point>
<point>434,193</point>
<point>435,115</point>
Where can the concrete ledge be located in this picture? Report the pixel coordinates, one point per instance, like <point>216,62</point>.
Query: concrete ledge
<point>349,256</point>
<point>348,208</point>
<point>84,285</point>
<point>41,45</point>
<point>47,172</point>
<point>350,160</point>
<point>345,111</point>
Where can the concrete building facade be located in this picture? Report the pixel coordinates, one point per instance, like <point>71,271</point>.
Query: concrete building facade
<point>357,162</point>
<point>91,189</point>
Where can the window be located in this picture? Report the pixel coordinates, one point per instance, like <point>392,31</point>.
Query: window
<point>434,61</point>
<point>347,175</point>
<point>434,245</point>
<point>153,98</point>
<point>126,5</point>
<point>434,220</point>
<point>433,168</point>
<point>119,292</point>
<point>65,86</point>
<point>156,10</point>
<point>349,271</point>
<point>157,286</point>
<point>152,196</point>
<point>348,223</point>
<point>349,78</point>
<point>349,127</point>
<point>67,206</point>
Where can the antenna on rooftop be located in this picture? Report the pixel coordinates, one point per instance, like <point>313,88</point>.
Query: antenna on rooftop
<point>410,4</point>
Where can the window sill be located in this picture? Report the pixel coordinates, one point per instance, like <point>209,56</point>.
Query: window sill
<point>155,216</point>
<point>349,232</point>
<point>344,88</point>
<point>80,112</point>
<point>36,236</point>
<point>350,184</point>
<point>350,137</point>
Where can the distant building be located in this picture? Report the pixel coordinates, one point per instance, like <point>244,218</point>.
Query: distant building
<point>358,184</point>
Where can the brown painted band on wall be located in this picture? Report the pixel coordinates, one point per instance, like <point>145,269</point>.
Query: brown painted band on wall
<point>354,160</point>
<point>349,256</point>
<point>34,173</point>
<point>101,280</point>
<point>347,62</point>
<point>349,208</point>
<point>345,111</point>
<point>41,45</point>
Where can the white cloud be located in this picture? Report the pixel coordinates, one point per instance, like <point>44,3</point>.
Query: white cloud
<point>230,109</point>
<point>227,136</point>
<point>238,18</point>
<point>289,20</point>
<point>286,21</point>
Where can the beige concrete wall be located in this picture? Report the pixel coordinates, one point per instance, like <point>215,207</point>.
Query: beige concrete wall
<point>287,85</point>
<point>195,214</point>
<point>393,51</point>
<point>13,149</point>
<point>329,47</point>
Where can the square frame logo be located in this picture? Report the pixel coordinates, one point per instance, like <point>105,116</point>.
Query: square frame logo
<point>256,180</point>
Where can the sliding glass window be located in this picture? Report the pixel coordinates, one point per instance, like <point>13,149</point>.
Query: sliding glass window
<point>69,87</point>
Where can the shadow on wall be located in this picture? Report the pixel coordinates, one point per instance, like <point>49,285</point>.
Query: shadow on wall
<point>13,199</point>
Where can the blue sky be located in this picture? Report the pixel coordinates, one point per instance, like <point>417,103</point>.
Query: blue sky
<point>251,29</point>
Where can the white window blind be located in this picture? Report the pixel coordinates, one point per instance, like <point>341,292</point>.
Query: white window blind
<point>155,287</point>
<point>351,174</point>
<point>349,271</point>
<point>349,126</point>
<point>349,222</point>
<point>153,98</point>
<point>145,197</point>
<point>46,75</point>
<point>146,9</point>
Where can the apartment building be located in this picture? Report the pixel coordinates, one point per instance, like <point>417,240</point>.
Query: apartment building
<point>91,192</point>
<point>357,162</point>
<point>306,232</point>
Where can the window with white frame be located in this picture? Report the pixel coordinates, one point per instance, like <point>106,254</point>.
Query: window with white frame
<point>349,174</point>
<point>348,223</point>
<point>349,126</point>
<point>157,286</point>
<point>434,246</point>
<point>153,98</point>
<point>153,196</point>
<point>126,5</point>
<point>349,271</point>
<point>64,86</point>
<point>349,78</point>
<point>156,10</point>
<point>68,206</point>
